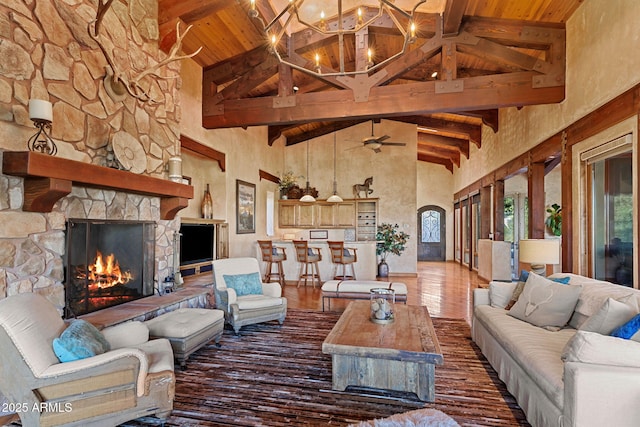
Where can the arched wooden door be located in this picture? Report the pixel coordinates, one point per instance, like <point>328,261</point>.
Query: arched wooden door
<point>432,233</point>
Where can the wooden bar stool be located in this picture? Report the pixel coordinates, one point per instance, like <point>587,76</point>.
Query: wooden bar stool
<point>341,256</point>
<point>307,256</point>
<point>272,255</point>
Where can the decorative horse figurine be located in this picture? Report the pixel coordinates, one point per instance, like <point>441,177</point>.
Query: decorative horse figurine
<point>357,188</point>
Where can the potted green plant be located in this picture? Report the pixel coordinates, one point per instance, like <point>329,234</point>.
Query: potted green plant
<point>287,181</point>
<point>389,241</point>
<point>554,220</point>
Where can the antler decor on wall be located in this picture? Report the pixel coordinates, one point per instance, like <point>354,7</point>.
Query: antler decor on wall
<point>117,81</point>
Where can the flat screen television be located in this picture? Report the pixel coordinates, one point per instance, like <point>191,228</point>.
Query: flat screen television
<point>196,243</point>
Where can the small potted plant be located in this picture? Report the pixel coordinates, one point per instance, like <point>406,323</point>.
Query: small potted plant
<point>554,220</point>
<point>287,181</point>
<point>389,241</point>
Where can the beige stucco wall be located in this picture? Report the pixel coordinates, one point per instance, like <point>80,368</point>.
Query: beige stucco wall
<point>602,37</point>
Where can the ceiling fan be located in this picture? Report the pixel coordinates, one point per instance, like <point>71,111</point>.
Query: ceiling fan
<point>376,142</point>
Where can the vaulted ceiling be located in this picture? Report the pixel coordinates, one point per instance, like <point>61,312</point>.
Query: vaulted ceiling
<point>469,58</point>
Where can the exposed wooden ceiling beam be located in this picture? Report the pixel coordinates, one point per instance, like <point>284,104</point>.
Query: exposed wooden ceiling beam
<point>232,68</point>
<point>460,145</point>
<point>276,132</point>
<point>479,93</point>
<point>473,132</point>
<point>442,152</point>
<point>452,16</point>
<point>187,11</point>
<point>447,163</point>
<point>525,34</point>
<point>250,80</point>
<point>489,118</point>
<point>551,164</point>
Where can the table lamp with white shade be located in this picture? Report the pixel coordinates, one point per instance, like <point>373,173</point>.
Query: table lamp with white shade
<point>539,253</point>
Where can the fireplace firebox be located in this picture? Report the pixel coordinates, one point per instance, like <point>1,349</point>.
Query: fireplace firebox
<point>107,263</point>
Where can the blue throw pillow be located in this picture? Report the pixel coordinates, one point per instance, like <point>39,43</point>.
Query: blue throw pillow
<point>524,275</point>
<point>244,284</point>
<point>80,340</point>
<point>628,329</point>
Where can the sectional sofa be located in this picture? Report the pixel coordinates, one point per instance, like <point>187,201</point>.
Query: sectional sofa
<point>554,350</point>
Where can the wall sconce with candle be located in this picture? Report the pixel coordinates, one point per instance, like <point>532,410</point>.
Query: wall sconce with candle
<point>41,113</point>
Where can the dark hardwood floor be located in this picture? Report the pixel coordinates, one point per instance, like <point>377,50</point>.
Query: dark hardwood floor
<point>446,289</point>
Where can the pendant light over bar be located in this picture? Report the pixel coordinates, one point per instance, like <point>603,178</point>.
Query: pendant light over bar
<point>334,198</point>
<point>307,198</point>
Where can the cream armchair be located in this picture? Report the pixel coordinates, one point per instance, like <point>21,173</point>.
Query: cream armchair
<point>250,301</point>
<point>134,379</point>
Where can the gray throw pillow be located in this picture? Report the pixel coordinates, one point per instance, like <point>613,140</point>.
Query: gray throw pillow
<point>611,315</point>
<point>545,303</point>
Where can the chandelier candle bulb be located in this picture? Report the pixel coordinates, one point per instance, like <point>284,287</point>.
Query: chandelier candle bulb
<point>39,109</point>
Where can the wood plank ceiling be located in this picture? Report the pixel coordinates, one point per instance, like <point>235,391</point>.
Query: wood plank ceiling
<point>465,64</point>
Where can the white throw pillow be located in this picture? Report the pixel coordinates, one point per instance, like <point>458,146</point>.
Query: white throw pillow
<point>612,314</point>
<point>591,347</point>
<point>500,293</point>
<point>545,303</point>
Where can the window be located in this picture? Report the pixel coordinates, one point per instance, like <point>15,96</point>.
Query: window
<point>430,226</point>
<point>607,204</point>
<point>612,219</point>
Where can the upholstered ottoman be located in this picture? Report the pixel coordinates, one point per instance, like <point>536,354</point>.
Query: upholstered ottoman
<point>187,329</point>
<point>359,289</point>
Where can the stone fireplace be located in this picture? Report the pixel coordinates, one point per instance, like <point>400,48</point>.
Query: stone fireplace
<point>51,191</point>
<point>54,59</point>
<point>107,263</point>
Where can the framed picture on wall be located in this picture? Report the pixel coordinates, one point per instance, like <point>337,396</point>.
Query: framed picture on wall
<point>245,207</point>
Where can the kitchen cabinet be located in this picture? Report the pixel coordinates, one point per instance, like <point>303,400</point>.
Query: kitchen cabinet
<point>321,214</point>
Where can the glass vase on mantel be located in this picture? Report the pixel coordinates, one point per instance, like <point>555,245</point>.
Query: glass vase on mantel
<point>207,204</point>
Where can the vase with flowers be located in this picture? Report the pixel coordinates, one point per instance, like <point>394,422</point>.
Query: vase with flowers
<point>389,240</point>
<point>287,181</point>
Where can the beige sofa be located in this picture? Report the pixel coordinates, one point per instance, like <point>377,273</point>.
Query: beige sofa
<point>572,377</point>
<point>134,379</point>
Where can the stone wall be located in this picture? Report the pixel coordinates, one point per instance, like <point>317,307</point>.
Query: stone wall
<point>47,53</point>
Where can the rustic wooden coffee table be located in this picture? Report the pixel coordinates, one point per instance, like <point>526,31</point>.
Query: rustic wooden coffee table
<point>399,356</point>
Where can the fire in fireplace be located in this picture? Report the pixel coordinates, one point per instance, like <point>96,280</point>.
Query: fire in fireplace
<point>94,280</point>
<point>105,273</point>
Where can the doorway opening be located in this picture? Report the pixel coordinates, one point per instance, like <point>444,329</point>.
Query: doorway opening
<point>432,232</point>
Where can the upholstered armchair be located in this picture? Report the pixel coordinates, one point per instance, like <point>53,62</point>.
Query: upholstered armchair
<point>242,295</point>
<point>133,379</point>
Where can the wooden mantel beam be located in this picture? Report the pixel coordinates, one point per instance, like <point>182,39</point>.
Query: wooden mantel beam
<point>479,93</point>
<point>47,179</point>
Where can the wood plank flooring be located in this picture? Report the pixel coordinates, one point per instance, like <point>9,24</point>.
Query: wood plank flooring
<point>446,289</point>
